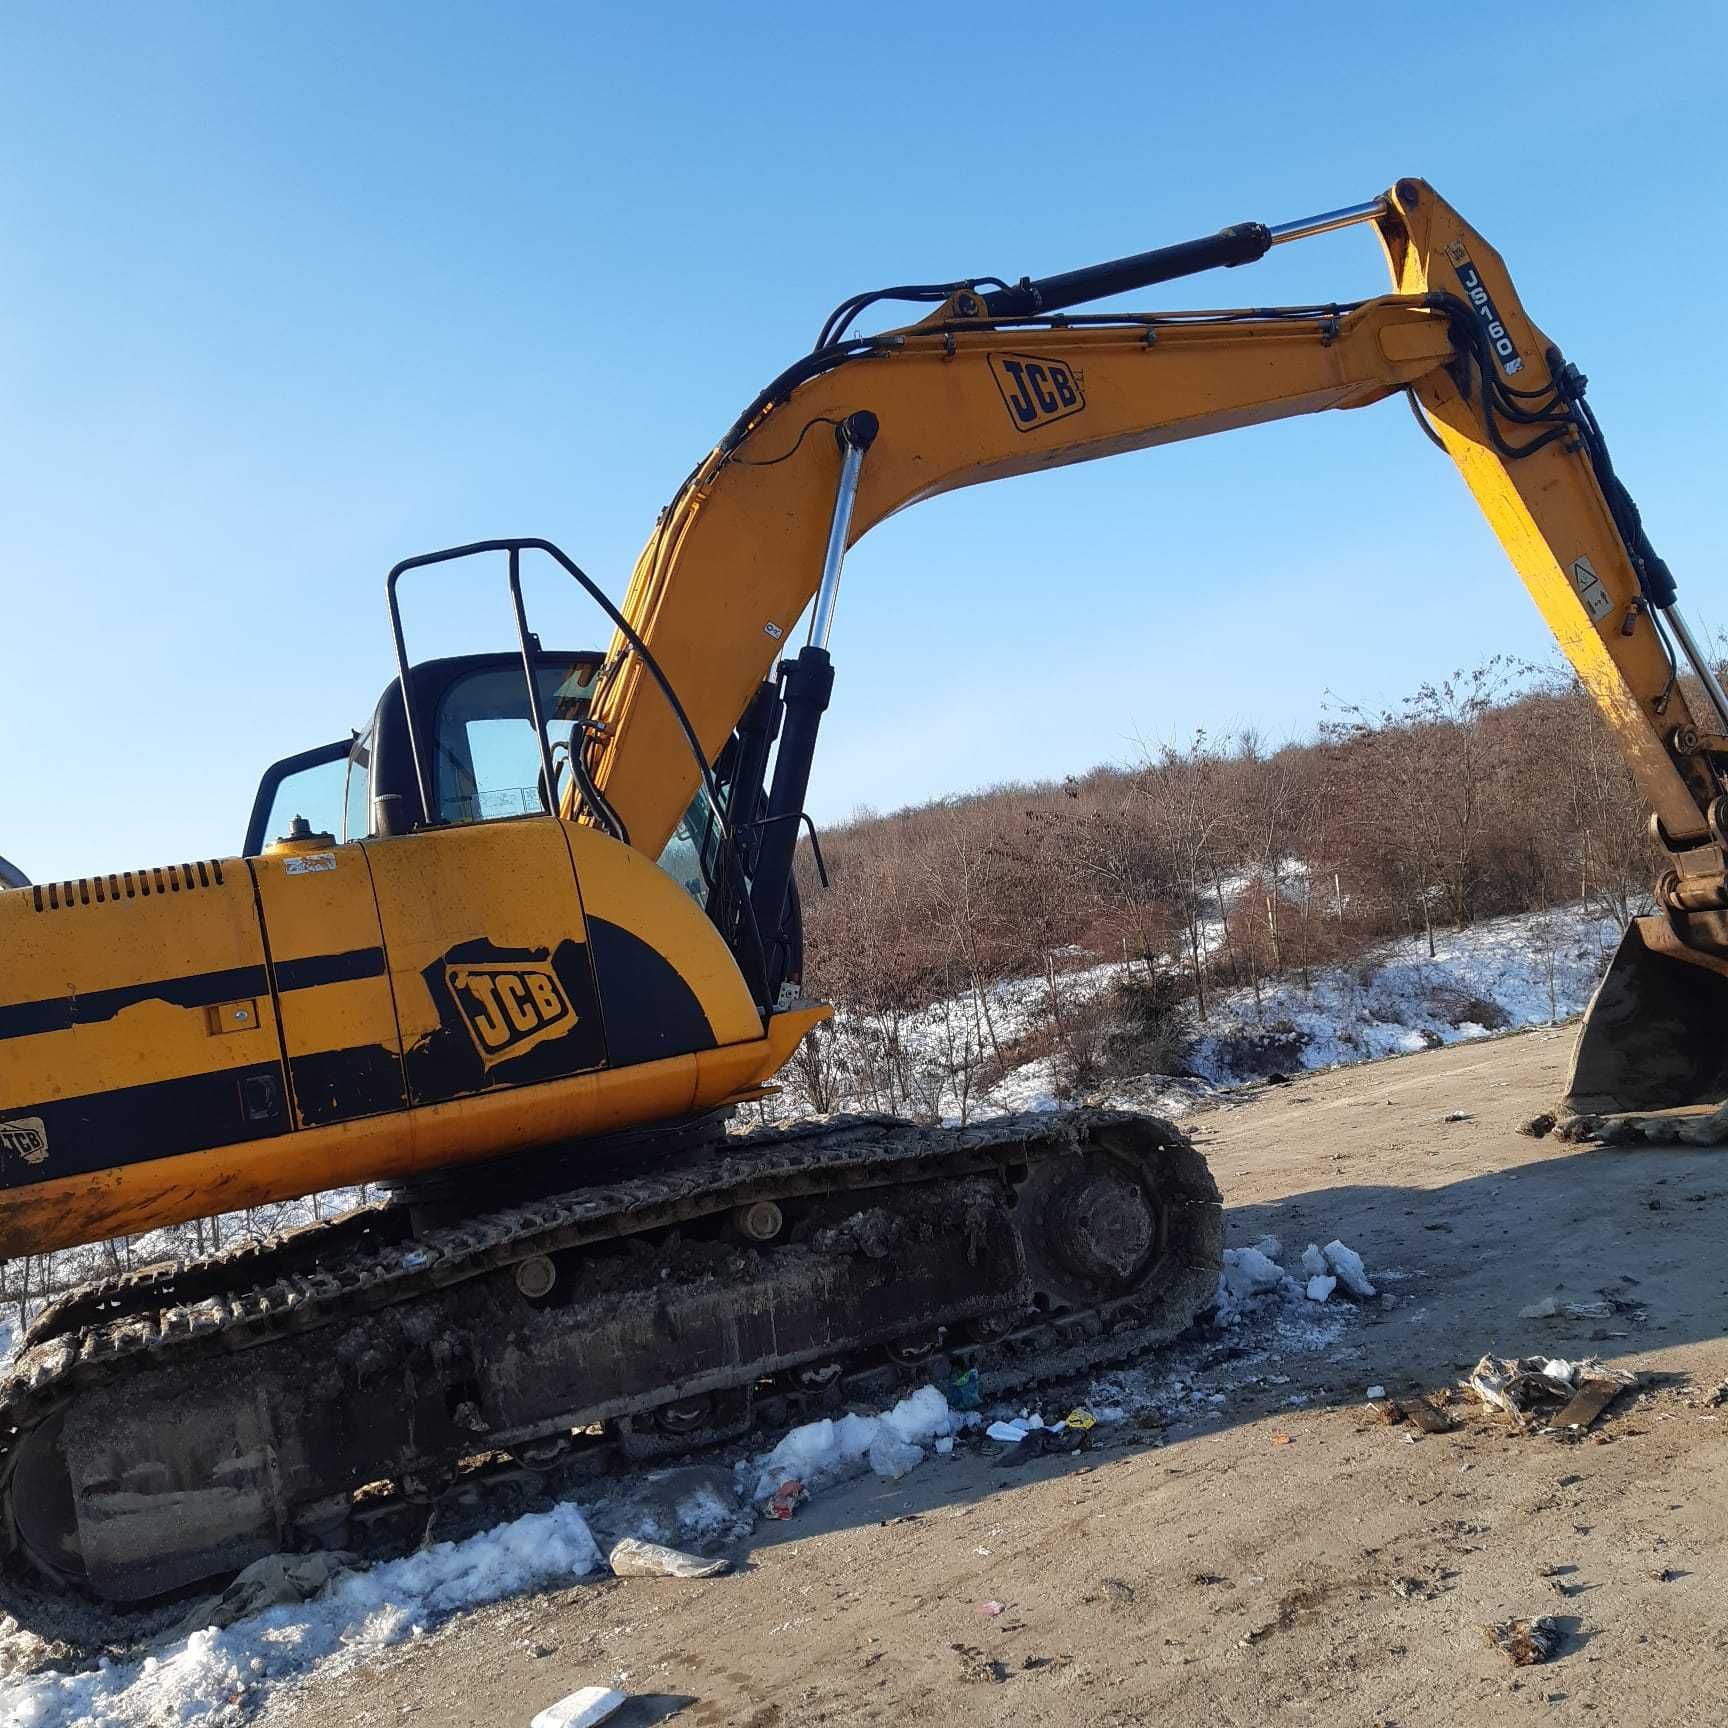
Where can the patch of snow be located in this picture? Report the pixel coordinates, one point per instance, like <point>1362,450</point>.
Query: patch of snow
<point>1531,969</point>
<point>221,1676</point>
<point>829,1451</point>
<point>1032,1086</point>
<point>1525,970</point>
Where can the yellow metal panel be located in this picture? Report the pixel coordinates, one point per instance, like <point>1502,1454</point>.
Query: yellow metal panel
<point>332,991</point>
<point>487,950</point>
<point>730,568</point>
<point>1547,508</point>
<point>121,985</point>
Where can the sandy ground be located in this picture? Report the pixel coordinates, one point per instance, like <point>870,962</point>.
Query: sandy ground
<point>1211,1574</point>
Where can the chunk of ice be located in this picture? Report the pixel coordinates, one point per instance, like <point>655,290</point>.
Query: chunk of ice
<point>1346,1265</point>
<point>1248,1272</point>
<point>1320,1286</point>
<point>828,1451</point>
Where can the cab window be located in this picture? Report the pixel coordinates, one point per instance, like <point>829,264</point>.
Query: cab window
<point>486,762</point>
<point>313,791</point>
<point>357,804</point>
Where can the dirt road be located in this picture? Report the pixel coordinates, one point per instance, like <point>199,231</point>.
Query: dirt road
<point>1208,1574</point>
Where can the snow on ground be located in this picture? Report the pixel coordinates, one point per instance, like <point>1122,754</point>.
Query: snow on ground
<point>219,1676</point>
<point>1528,970</point>
<point>1524,970</point>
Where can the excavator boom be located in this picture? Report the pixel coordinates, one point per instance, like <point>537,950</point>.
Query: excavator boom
<point>1004,382</point>
<point>970,395</point>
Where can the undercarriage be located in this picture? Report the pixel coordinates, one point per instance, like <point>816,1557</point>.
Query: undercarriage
<point>168,1428</point>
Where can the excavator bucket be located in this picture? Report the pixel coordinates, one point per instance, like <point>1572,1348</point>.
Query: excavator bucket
<point>1652,1056</point>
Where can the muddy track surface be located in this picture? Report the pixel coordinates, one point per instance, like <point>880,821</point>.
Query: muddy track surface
<point>1210,1572</point>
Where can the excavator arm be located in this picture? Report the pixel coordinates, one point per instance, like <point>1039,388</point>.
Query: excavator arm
<point>994,384</point>
<point>1005,379</point>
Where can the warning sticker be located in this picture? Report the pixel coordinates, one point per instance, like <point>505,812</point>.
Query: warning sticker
<point>1597,600</point>
<point>309,863</point>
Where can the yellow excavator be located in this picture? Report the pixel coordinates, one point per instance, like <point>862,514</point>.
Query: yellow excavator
<point>547,937</point>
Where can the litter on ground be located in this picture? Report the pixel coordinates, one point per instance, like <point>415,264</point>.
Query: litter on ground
<point>633,1559</point>
<point>1525,1642</point>
<point>1552,1308</point>
<point>1537,1385</point>
<point>584,1709</point>
<point>784,1501</point>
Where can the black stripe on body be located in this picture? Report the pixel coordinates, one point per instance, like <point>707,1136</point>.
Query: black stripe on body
<point>339,1085</point>
<point>197,990</point>
<point>316,969</point>
<point>132,1124</point>
<point>61,1013</point>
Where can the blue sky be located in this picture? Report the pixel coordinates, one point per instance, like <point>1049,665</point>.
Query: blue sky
<point>290,291</point>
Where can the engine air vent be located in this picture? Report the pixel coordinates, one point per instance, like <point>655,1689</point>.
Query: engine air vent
<point>127,885</point>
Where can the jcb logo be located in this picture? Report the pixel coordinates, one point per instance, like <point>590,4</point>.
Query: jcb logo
<point>1036,390</point>
<point>25,1137</point>
<point>510,1008</point>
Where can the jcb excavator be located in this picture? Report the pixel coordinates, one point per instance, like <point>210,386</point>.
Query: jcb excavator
<point>549,935</point>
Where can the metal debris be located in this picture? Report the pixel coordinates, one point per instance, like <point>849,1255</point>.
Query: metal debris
<point>1587,1403</point>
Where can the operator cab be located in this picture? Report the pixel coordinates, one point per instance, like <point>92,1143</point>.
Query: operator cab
<point>485,762</point>
<point>456,743</point>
